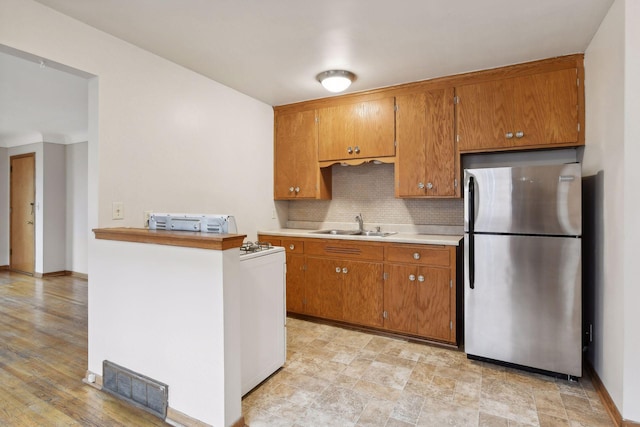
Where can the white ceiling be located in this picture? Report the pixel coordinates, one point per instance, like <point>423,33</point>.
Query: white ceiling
<point>272,50</point>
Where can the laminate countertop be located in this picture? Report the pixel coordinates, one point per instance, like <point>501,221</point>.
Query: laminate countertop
<point>415,238</point>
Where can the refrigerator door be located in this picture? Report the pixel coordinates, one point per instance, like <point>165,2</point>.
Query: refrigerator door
<point>525,200</point>
<point>525,307</point>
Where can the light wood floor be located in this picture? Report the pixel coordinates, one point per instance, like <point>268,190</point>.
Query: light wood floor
<point>43,358</point>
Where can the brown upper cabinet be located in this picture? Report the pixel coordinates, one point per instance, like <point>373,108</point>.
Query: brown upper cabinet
<point>356,131</point>
<point>426,163</point>
<point>522,112</point>
<point>297,174</point>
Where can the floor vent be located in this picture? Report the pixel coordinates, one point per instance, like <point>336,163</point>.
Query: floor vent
<point>141,391</point>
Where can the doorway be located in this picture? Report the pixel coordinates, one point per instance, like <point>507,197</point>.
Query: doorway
<point>22,213</point>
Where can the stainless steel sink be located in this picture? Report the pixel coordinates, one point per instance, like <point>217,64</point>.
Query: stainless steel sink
<point>369,233</point>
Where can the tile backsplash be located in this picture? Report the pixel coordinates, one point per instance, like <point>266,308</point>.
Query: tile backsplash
<point>369,189</point>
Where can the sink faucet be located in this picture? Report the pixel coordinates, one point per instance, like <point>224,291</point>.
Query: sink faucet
<point>360,222</point>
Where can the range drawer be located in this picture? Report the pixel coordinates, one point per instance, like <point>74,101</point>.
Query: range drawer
<point>419,254</point>
<point>347,249</point>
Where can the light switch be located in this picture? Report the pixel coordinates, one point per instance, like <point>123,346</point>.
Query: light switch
<point>117,210</point>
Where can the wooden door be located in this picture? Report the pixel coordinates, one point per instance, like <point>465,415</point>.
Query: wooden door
<point>22,208</point>
<point>363,293</point>
<point>295,283</point>
<point>323,288</point>
<point>484,115</point>
<point>296,156</point>
<point>546,108</point>
<point>352,131</point>
<point>426,155</point>
<point>400,297</point>
<point>433,303</point>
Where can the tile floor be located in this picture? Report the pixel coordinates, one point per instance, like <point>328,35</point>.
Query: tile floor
<point>339,377</point>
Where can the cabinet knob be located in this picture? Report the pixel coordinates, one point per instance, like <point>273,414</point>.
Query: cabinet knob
<point>420,185</point>
<point>519,134</point>
<point>344,270</point>
<point>412,277</point>
<point>421,278</point>
<point>508,135</point>
<point>290,189</point>
<point>338,270</point>
<point>416,255</point>
<point>297,189</point>
<point>357,150</point>
<point>429,185</point>
<point>292,246</point>
<point>349,150</point>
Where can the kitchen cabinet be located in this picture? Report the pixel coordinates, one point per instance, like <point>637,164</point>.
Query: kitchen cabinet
<point>297,174</point>
<point>419,292</point>
<point>426,164</point>
<point>408,289</point>
<point>357,131</point>
<point>533,111</point>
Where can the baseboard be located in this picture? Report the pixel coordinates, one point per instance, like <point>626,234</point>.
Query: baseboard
<point>4,267</point>
<point>606,399</point>
<point>77,275</point>
<point>54,274</point>
<point>175,418</point>
<point>62,273</point>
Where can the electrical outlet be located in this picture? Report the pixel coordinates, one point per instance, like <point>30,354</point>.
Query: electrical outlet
<point>147,214</point>
<point>117,210</point>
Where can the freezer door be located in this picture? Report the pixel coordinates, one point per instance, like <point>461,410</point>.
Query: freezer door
<point>525,307</point>
<point>525,200</point>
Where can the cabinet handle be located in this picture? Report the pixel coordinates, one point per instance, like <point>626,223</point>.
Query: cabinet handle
<point>344,270</point>
<point>292,246</point>
<point>349,150</point>
<point>297,189</point>
<point>508,135</point>
<point>420,185</point>
<point>519,134</point>
<point>412,277</point>
<point>337,269</point>
<point>357,150</point>
<point>290,189</point>
<point>416,255</point>
<point>421,278</point>
<point>429,186</point>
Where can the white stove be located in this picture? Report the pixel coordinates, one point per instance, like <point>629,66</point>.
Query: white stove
<point>256,249</point>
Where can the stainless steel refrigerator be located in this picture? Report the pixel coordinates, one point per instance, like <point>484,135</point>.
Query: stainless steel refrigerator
<point>522,252</point>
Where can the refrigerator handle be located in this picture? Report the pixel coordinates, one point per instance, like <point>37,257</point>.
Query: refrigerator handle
<point>471,204</point>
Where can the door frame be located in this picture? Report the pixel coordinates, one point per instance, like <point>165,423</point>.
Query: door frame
<point>11,195</point>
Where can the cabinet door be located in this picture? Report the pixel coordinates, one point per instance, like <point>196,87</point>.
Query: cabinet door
<point>400,293</point>
<point>433,303</point>
<point>426,157</point>
<point>297,173</point>
<point>546,108</point>
<point>484,115</point>
<point>295,283</point>
<point>352,131</point>
<point>362,293</point>
<point>323,290</point>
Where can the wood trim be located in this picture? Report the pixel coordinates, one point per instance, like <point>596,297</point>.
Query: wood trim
<point>55,274</point>
<point>190,239</point>
<point>606,399</point>
<point>516,70</point>
<point>4,267</point>
<point>77,275</point>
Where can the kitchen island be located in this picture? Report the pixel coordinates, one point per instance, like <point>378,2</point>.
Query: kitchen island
<point>166,305</point>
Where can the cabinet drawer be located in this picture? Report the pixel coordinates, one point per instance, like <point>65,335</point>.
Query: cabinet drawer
<point>419,254</point>
<point>275,241</point>
<point>345,249</point>
<point>293,246</point>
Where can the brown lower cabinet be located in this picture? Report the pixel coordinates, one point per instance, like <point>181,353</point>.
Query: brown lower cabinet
<point>401,288</point>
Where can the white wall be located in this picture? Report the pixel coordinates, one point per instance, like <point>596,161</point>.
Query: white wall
<point>631,410</point>
<point>77,229</point>
<point>612,135</point>
<point>54,209</point>
<point>4,207</point>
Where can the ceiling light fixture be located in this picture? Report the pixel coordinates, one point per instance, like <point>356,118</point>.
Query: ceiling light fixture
<point>336,80</point>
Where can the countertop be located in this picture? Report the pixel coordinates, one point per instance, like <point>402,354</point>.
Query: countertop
<point>188,239</point>
<point>415,238</point>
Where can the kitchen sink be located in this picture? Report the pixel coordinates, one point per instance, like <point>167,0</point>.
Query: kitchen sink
<point>369,233</point>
